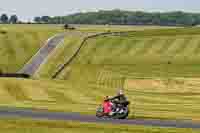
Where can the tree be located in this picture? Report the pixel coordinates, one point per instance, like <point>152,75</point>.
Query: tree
<point>37,19</point>
<point>4,18</point>
<point>13,19</point>
<point>126,17</point>
<point>45,19</point>
<point>69,27</point>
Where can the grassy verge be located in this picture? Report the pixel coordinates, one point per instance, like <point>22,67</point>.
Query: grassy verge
<point>33,126</point>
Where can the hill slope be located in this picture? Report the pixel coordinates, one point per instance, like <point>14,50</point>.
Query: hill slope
<point>145,63</point>
<point>150,53</point>
<point>20,43</point>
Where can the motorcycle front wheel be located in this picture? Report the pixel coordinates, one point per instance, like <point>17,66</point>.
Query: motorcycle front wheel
<point>99,112</point>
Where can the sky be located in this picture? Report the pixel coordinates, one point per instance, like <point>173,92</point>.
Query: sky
<point>27,9</point>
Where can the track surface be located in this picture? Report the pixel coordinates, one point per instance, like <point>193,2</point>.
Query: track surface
<point>31,67</point>
<point>38,114</point>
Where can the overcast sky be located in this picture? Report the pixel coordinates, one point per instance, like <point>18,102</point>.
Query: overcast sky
<point>27,9</point>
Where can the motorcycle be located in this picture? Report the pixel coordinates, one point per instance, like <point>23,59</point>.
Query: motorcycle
<point>119,111</point>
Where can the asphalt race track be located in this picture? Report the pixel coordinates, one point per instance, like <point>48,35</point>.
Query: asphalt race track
<point>32,66</point>
<point>46,115</point>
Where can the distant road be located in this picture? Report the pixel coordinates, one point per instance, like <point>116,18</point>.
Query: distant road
<point>45,115</point>
<point>31,67</point>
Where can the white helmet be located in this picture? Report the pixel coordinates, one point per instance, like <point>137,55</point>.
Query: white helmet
<point>120,92</point>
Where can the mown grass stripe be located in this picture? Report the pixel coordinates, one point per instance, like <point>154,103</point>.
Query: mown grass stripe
<point>135,44</point>
<point>197,49</point>
<point>103,53</point>
<point>117,51</point>
<point>111,46</point>
<point>183,45</point>
<point>156,47</point>
<point>174,47</point>
<point>129,46</point>
<point>140,46</point>
<point>148,45</point>
<point>91,48</point>
<point>191,47</point>
<point>166,45</point>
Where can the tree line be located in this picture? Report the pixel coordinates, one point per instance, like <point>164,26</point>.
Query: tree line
<point>5,19</point>
<point>115,17</point>
<point>119,17</point>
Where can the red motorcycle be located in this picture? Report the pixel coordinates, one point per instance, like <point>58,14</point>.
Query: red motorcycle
<point>118,110</point>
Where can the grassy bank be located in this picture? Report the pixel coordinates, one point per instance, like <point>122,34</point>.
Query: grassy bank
<point>33,126</point>
<point>163,51</point>
<point>102,49</point>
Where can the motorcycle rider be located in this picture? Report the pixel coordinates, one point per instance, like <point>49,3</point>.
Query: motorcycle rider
<point>120,97</point>
<point>119,100</point>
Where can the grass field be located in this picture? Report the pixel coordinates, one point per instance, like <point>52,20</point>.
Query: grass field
<point>18,43</point>
<point>73,41</point>
<point>165,64</point>
<point>159,70</point>
<point>163,52</point>
<point>33,126</point>
<point>176,98</point>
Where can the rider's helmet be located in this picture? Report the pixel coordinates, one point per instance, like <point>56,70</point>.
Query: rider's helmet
<point>120,92</point>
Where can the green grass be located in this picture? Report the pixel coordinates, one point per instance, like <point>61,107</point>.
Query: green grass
<point>33,126</point>
<point>175,98</point>
<point>21,42</point>
<point>73,41</point>
<point>105,63</point>
<point>162,50</point>
<point>163,58</point>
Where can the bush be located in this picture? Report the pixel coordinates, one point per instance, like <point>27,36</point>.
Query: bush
<point>3,31</point>
<point>68,27</point>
